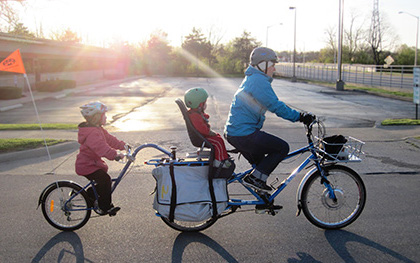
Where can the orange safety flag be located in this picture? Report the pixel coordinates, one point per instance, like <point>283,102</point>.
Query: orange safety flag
<point>13,63</point>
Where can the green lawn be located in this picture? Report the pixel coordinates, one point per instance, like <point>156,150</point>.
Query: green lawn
<point>400,122</point>
<point>34,126</point>
<point>14,144</point>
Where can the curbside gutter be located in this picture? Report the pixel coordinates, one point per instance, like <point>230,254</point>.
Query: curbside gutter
<point>38,152</point>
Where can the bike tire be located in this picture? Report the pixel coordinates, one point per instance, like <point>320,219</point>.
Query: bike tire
<point>323,211</point>
<point>54,200</point>
<point>188,226</point>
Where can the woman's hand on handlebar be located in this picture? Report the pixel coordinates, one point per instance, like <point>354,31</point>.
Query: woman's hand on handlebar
<point>307,118</point>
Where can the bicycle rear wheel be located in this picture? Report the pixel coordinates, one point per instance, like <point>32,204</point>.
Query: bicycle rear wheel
<point>188,226</point>
<point>327,213</point>
<point>63,213</point>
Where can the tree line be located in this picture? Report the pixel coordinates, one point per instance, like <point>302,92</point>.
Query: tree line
<point>199,52</point>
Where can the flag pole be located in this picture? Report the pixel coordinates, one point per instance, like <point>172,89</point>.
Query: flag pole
<point>37,115</point>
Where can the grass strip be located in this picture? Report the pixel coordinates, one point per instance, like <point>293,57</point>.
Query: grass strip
<point>14,144</point>
<point>373,90</point>
<point>34,126</point>
<point>381,91</point>
<point>387,122</point>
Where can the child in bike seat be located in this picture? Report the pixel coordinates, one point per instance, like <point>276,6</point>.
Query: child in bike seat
<point>196,100</point>
<point>95,143</point>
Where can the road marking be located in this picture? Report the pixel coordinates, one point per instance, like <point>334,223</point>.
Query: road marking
<point>60,96</point>
<point>11,107</point>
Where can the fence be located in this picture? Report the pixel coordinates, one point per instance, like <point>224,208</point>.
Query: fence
<point>371,75</point>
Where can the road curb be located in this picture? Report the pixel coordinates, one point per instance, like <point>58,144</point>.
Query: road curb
<point>34,153</point>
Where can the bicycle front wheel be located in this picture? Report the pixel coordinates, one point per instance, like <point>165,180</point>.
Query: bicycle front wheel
<point>63,208</point>
<point>188,226</point>
<point>336,211</point>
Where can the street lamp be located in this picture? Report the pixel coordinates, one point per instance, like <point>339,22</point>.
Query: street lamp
<point>294,48</point>
<point>417,34</point>
<point>266,34</point>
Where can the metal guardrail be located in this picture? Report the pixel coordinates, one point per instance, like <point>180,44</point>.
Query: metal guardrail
<point>370,75</point>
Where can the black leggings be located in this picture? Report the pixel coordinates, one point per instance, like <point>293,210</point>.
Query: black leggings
<point>103,187</point>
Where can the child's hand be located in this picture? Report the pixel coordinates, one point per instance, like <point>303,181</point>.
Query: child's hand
<point>119,156</point>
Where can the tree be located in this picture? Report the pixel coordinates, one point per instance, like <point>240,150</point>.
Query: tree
<point>405,55</point>
<point>198,45</point>
<point>66,36</point>
<point>243,46</point>
<point>353,38</point>
<point>21,30</point>
<point>157,54</point>
<point>8,15</point>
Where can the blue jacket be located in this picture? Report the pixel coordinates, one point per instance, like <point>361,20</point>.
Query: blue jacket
<point>251,101</point>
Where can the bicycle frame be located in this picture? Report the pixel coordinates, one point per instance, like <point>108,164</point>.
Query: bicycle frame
<point>116,181</point>
<point>239,177</point>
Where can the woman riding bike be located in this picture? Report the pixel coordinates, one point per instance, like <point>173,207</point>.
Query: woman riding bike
<point>247,115</point>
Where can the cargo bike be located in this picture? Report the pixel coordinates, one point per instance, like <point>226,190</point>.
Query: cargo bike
<point>331,195</point>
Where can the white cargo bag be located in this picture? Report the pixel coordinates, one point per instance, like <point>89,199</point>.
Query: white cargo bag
<point>192,193</point>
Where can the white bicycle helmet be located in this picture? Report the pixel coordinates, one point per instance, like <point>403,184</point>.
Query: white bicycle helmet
<point>93,108</point>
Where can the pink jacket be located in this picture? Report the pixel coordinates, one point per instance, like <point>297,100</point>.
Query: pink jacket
<point>95,143</point>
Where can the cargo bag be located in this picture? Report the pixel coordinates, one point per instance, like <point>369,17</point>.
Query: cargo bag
<point>186,196</point>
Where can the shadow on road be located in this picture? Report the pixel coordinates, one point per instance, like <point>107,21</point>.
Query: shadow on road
<point>64,246</point>
<point>184,239</point>
<point>340,239</point>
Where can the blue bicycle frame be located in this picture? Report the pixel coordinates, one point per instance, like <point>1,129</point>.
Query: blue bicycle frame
<point>116,181</point>
<point>259,200</point>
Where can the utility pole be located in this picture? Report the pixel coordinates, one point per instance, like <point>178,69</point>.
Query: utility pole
<point>339,85</point>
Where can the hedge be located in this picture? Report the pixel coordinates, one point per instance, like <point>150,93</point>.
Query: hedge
<point>8,93</point>
<point>55,85</point>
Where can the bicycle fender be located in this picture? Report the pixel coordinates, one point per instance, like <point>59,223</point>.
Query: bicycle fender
<point>299,190</point>
<point>41,197</point>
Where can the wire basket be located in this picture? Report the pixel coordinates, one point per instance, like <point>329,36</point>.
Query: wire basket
<point>344,149</point>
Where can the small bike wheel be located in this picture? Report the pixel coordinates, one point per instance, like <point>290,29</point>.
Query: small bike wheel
<point>63,208</point>
<point>188,226</point>
<point>328,213</point>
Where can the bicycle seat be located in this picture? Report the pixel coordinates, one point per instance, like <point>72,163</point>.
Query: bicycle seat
<point>196,138</point>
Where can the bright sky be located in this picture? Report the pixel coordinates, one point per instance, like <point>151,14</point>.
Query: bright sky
<point>101,22</point>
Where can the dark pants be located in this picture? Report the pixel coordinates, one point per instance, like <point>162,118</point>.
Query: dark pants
<point>103,187</point>
<point>264,150</point>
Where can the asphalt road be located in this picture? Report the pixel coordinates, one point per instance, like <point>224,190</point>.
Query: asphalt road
<point>144,111</point>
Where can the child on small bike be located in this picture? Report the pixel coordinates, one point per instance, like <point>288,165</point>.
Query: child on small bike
<point>95,143</point>
<point>196,100</point>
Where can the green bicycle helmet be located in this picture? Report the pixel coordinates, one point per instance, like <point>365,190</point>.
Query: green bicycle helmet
<point>194,97</point>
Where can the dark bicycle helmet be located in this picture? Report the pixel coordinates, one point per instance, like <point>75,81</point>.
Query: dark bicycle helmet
<point>262,54</point>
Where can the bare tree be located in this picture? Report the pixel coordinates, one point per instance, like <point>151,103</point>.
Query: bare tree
<point>9,18</point>
<point>331,40</point>
<point>353,36</point>
<point>66,35</point>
